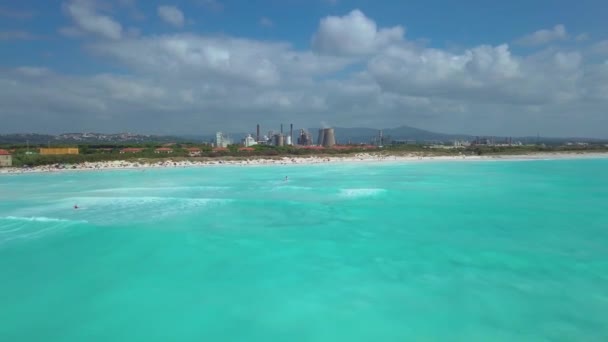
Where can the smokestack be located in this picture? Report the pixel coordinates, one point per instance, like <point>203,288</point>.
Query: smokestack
<point>291,132</point>
<point>258,133</point>
<point>281,128</point>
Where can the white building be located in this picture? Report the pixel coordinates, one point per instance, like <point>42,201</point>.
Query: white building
<point>249,141</point>
<point>461,143</point>
<point>222,140</point>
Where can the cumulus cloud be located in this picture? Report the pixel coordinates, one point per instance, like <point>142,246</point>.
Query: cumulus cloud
<point>353,34</point>
<point>558,32</point>
<point>482,75</point>
<point>88,21</point>
<point>171,15</point>
<point>193,83</point>
<point>232,60</point>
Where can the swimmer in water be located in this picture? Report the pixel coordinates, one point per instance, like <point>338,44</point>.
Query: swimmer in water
<point>75,206</point>
<point>286,179</point>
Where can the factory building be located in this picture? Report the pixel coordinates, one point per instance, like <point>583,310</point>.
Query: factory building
<point>272,138</point>
<point>249,141</point>
<point>305,138</point>
<point>222,140</point>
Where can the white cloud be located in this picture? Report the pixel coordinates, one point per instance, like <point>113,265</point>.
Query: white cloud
<point>192,83</point>
<point>266,22</point>
<point>558,32</point>
<point>87,20</point>
<point>353,34</point>
<point>171,15</point>
<point>188,56</point>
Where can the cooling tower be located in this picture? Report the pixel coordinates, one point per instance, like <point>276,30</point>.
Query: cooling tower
<point>321,138</point>
<point>329,137</point>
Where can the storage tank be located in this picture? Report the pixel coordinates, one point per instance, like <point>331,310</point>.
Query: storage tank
<point>288,140</point>
<point>279,140</point>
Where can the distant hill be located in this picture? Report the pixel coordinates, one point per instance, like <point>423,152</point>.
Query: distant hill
<point>85,138</point>
<point>406,133</point>
<point>365,135</point>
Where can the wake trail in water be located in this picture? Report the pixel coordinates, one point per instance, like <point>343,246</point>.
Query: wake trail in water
<point>31,227</point>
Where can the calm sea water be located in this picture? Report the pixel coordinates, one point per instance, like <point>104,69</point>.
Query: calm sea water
<point>444,251</point>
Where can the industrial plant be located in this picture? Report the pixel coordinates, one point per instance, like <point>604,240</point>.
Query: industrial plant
<point>327,138</point>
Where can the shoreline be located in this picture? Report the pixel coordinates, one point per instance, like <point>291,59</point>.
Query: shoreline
<point>362,158</point>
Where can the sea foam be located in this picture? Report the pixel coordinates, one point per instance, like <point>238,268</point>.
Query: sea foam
<point>357,193</point>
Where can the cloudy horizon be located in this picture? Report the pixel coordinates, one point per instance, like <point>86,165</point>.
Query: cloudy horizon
<point>193,67</point>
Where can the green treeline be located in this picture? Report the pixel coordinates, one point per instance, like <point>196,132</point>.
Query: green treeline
<point>109,152</point>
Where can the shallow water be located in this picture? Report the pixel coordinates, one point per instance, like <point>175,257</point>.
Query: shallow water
<point>459,251</point>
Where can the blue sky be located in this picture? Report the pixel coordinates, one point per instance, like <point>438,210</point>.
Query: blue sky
<point>194,66</point>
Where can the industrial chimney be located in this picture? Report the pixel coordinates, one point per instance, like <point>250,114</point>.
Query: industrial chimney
<point>291,133</point>
<point>257,133</point>
<point>281,128</point>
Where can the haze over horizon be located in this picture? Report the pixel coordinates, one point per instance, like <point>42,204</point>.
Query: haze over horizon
<point>194,66</point>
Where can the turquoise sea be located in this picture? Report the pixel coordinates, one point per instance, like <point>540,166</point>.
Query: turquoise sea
<point>421,251</point>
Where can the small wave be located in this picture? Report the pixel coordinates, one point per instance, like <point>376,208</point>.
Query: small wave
<point>290,187</point>
<point>144,200</point>
<point>356,193</point>
<point>37,219</point>
<point>31,227</point>
<point>141,207</point>
<point>161,188</point>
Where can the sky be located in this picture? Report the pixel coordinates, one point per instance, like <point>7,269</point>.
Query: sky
<point>509,68</point>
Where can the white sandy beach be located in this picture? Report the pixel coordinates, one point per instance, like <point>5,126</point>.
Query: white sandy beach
<point>308,160</point>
